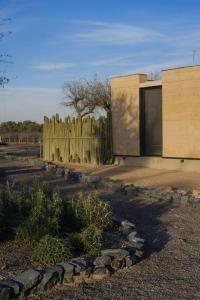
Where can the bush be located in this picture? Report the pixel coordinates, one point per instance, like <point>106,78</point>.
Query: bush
<point>7,208</point>
<point>77,245</point>
<point>51,250</point>
<point>91,237</point>
<point>41,210</point>
<point>88,210</point>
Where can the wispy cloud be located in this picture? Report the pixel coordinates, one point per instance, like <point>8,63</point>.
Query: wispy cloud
<point>157,67</point>
<point>53,66</point>
<point>112,33</point>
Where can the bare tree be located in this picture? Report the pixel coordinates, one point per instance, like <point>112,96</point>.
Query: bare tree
<point>85,96</point>
<point>4,58</point>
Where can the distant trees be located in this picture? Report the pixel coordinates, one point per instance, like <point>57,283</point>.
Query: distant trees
<point>20,127</point>
<point>85,96</point>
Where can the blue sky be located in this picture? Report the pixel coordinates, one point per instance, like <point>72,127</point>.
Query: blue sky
<point>54,41</point>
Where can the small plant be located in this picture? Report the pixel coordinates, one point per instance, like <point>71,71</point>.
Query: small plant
<point>76,242</point>
<point>91,238</point>
<point>51,250</point>
<point>43,215</point>
<point>7,208</point>
<point>88,210</point>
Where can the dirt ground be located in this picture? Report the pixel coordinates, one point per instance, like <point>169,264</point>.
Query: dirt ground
<point>171,267</point>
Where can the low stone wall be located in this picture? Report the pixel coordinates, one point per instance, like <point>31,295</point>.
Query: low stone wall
<point>78,269</point>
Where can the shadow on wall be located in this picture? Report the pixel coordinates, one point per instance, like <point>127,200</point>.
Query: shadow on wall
<point>125,123</point>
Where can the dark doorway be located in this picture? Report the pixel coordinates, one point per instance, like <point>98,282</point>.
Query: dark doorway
<point>151,121</point>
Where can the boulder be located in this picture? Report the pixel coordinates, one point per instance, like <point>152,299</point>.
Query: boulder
<point>60,171</point>
<point>51,276</point>
<point>104,260</point>
<point>115,253</point>
<point>126,223</point>
<point>14,286</point>
<point>68,271</point>
<point>101,273</point>
<point>28,280</point>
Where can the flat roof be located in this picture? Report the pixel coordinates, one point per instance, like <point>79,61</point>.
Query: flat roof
<point>184,67</point>
<point>116,76</point>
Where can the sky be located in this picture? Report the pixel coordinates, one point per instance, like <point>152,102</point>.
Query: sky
<point>55,41</point>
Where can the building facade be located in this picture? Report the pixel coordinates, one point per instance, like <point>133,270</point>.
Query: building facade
<point>158,118</point>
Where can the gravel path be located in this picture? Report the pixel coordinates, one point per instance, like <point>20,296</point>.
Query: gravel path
<point>171,269</point>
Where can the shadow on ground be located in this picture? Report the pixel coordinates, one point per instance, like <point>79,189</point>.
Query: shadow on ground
<point>146,215</point>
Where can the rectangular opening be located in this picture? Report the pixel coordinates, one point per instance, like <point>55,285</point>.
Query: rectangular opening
<point>151,121</point>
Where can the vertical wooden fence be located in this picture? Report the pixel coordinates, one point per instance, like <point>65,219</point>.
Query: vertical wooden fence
<point>78,141</point>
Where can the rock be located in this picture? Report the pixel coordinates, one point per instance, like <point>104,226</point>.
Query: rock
<point>176,198</point>
<point>129,261</point>
<point>51,276</point>
<point>86,272</point>
<point>101,273</point>
<point>102,261</point>
<point>196,193</point>
<point>168,197</point>
<point>133,238</point>
<point>79,265</point>
<point>5,292</point>
<point>117,264</point>
<point>115,253</point>
<point>76,176</point>
<point>125,230</point>
<point>14,286</point>
<point>184,199</point>
<point>110,185</point>
<point>129,189</point>
<point>60,171</point>
<point>44,166</point>
<point>66,172</point>
<point>51,167</point>
<point>28,279</point>
<point>126,223</point>
<point>138,253</point>
<point>68,271</point>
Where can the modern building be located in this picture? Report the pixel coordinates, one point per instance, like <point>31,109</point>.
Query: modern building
<point>157,122</point>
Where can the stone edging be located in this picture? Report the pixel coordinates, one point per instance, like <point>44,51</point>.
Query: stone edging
<point>170,194</point>
<point>78,269</point>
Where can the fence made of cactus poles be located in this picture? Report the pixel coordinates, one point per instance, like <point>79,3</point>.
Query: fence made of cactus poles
<point>76,140</point>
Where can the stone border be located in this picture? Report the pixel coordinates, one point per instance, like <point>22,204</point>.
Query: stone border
<point>168,194</point>
<point>78,269</point>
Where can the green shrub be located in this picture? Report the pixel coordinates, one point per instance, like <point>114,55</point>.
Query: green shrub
<point>88,210</point>
<point>51,250</point>
<point>77,246</point>
<point>7,208</point>
<point>91,238</point>
<point>41,210</point>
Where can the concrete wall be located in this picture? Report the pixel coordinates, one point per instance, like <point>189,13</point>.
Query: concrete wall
<point>181,112</point>
<point>125,114</point>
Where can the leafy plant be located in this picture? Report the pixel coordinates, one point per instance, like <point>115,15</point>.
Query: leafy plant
<point>7,207</point>
<point>77,245</point>
<point>91,238</point>
<point>88,210</point>
<point>51,250</point>
<point>41,210</point>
